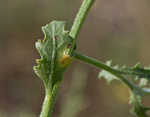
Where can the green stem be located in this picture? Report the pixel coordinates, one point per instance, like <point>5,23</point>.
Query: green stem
<point>136,90</point>
<point>49,100</point>
<point>79,20</point>
<point>101,65</point>
<point>51,95</point>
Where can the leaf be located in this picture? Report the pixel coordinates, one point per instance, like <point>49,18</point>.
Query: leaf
<point>136,73</point>
<point>143,82</point>
<point>138,108</point>
<point>108,76</point>
<point>54,52</point>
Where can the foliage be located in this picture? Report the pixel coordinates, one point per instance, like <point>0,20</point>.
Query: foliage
<point>140,76</point>
<point>54,52</point>
<point>57,51</point>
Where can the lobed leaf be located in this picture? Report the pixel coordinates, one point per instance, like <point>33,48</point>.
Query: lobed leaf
<point>138,108</point>
<point>54,52</point>
<point>106,75</point>
<point>137,73</point>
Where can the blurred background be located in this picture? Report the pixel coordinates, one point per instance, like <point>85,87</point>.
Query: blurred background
<point>114,29</point>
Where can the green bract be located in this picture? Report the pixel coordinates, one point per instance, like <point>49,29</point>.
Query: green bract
<point>54,52</point>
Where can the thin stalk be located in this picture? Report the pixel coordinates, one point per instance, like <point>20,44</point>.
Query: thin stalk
<point>101,65</point>
<point>79,20</point>
<point>49,100</point>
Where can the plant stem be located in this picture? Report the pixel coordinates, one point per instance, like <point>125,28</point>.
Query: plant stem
<point>79,20</point>
<point>51,94</point>
<point>101,65</point>
<point>146,91</point>
<point>49,100</point>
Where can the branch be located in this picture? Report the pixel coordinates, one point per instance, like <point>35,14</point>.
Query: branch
<point>101,65</point>
<point>109,69</point>
<point>136,92</point>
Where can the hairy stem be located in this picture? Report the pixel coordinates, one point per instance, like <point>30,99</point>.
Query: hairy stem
<point>49,100</point>
<point>101,65</point>
<point>79,20</point>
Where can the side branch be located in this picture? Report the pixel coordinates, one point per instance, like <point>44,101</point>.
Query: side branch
<point>101,65</point>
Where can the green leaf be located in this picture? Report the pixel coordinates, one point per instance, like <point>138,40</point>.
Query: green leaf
<point>143,82</point>
<point>54,52</point>
<point>138,71</point>
<point>134,73</point>
<point>139,76</point>
<point>108,76</point>
<point>138,108</point>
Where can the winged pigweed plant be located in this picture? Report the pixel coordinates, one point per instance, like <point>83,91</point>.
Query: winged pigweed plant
<point>57,51</point>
